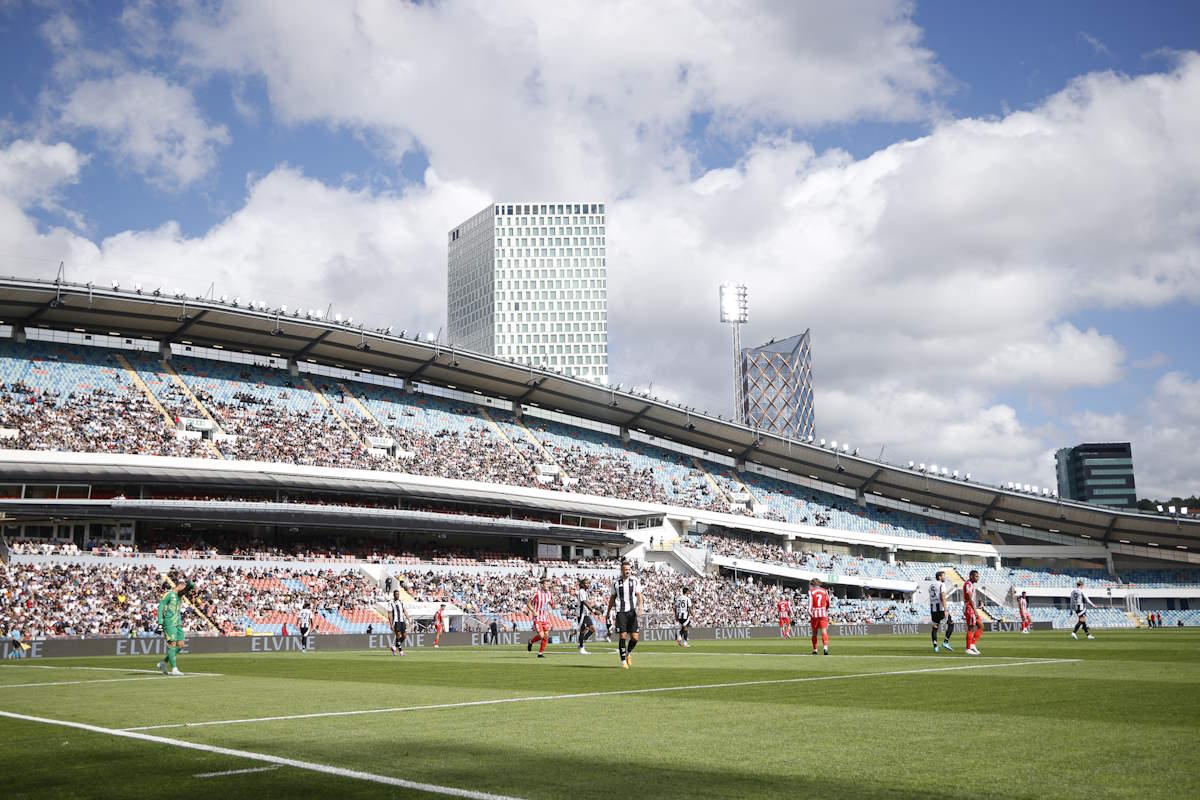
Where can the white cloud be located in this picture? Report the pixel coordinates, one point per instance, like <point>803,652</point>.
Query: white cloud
<point>31,172</point>
<point>528,98</point>
<point>149,122</point>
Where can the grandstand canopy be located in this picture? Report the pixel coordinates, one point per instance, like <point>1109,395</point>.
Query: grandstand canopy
<point>211,323</point>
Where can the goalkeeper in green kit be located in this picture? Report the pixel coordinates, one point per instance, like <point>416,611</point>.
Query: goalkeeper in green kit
<point>171,621</point>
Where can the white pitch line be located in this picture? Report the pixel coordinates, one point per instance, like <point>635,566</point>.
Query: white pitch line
<point>235,772</point>
<point>102,680</point>
<point>95,669</point>
<point>326,769</point>
<point>613,693</point>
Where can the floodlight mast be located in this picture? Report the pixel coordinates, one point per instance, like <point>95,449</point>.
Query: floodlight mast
<point>735,311</point>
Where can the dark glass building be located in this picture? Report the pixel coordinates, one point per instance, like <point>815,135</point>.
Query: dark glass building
<point>777,386</point>
<point>1099,473</point>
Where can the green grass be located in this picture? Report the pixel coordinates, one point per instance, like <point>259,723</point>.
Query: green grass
<point>1121,721</point>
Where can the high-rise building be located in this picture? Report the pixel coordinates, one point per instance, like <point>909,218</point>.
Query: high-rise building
<point>1100,473</point>
<point>777,390</point>
<point>528,282</point>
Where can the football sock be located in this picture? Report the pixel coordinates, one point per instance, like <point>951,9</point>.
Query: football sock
<point>632,644</point>
<point>978,635</point>
<point>542,647</point>
<point>934,634</point>
<point>621,648</point>
<point>1077,624</point>
<point>685,634</point>
<point>814,638</point>
<point>824,638</point>
<point>1086,629</point>
<point>171,656</point>
<point>949,628</point>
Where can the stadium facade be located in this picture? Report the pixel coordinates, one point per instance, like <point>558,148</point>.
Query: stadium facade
<point>777,388</point>
<point>1100,473</point>
<point>272,427</point>
<point>528,282</point>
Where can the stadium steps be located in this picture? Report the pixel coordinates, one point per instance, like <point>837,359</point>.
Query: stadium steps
<point>323,400</point>
<point>363,409</point>
<point>711,480</point>
<point>550,459</point>
<point>504,436</point>
<point>745,487</point>
<point>137,381</point>
<point>182,384</point>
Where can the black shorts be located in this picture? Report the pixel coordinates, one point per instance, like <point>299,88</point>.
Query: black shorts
<point>304,631</point>
<point>937,616</point>
<point>586,621</point>
<point>400,628</point>
<point>683,621</point>
<point>627,622</point>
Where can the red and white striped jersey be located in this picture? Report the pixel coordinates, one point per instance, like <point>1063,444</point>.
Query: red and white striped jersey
<point>1023,604</point>
<point>437,619</point>
<point>818,603</point>
<point>969,594</point>
<point>542,603</point>
<point>785,609</point>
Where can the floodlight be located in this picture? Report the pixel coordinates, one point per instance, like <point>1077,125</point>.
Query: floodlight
<point>1035,489</point>
<point>933,468</point>
<point>911,465</point>
<point>833,444</point>
<point>137,287</point>
<point>1170,509</point>
<point>116,284</point>
<point>845,447</point>
<point>337,317</point>
<point>945,472</point>
<point>968,477</point>
<point>810,438</point>
<point>224,298</point>
<point>1027,488</point>
<point>1183,511</point>
<point>735,305</point>
<point>955,474</point>
<point>922,467</point>
<point>283,309</point>
<point>1160,510</point>
<point>822,443</point>
<point>430,337</point>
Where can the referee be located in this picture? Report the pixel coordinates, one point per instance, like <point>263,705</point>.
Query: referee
<point>626,596</point>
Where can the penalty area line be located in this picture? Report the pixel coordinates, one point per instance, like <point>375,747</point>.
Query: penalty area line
<point>235,772</point>
<point>612,693</point>
<point>280,761</point>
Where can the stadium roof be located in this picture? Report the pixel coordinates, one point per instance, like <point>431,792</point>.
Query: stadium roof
<point>208,322</point>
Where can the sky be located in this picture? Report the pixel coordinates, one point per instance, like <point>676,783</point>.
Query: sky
<point>988,214</point>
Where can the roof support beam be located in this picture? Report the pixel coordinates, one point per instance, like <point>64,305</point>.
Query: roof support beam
<point>534,385</point>
<point>635,417</point>
<point>308,348</point>
<point>874,477</point>
<point>188,323</point>
<point>983,515</point>
<point>1108,531</point>
<point>753,446</point>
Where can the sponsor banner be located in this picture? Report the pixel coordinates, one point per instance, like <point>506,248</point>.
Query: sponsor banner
<point>203,645</point>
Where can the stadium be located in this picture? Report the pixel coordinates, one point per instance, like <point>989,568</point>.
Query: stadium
<point>281,461</point>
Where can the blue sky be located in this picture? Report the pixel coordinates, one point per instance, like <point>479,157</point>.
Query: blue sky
<point>816,151</point>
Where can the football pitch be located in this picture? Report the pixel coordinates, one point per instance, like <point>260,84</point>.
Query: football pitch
<point>1038,716</point>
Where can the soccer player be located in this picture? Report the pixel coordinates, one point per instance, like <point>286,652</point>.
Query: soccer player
<point>626,597</point>
<point>438,623</point>
<point>784,607</point>
<point>539,606</point>
<point>974,620</point>
<point>1079,601</point>
<point>399,623</point>
<point>683,616</point>
<point>587,626</point>
<point>305,623</point>
<point>170,619</point>
<point>1023,610</point>
<point>609,624</point>
<point>818,613</point>
<point>939,609</point>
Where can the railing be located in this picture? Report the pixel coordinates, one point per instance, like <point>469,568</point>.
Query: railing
<point>698,560</point>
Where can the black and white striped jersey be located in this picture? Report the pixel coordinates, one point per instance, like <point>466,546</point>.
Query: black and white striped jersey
<point>581,598</point>
<point>936,595</point>
<point>683,607</point>
<point>397,611</point>
<point>624,593</point>
<point>305,618</point>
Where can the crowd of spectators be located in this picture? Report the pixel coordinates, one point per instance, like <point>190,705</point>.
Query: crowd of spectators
<point>77,600</point>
